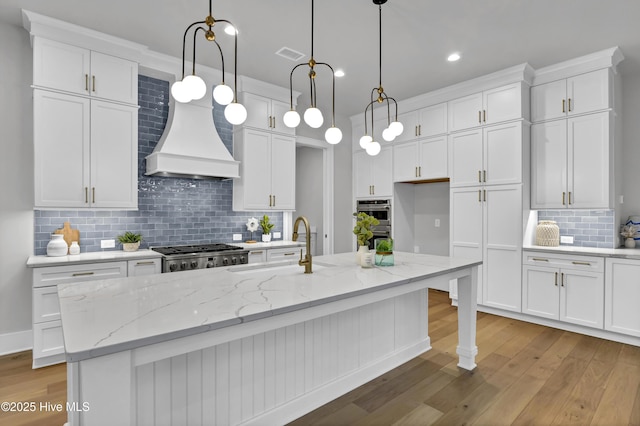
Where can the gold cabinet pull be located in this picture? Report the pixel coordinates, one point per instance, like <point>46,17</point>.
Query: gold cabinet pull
<point>484,115</point>
<point>484,195</point>
<point>256,252</point>
<point>274,121</point>
<point>93,83</point>
<point>479,196</point>
<point>479,176</point>
<point>577,262</point>
<point>419,171</point>
<point>86,82</point>
<point>81,274</point>
<point>269,200</point>
<point>274,201</point>
<point>150,262</point>
<point>86,194</point>
<point>479,116</point>
<point>93,195</point>
<point>373,190</point>
<point>563,198</point>
<point>556,280</point>
<point>569,101</point>
<point>291,254</point>
<point>570,198</point>
<point>419,129</point>
<point>484,175</point>
<point>562,279</point>
<point>563,106</point>
<point>540,259</point>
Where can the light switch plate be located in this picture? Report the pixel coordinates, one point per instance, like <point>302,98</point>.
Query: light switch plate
<point>107,243</point>
<point>277,235</point>
<point>237,237</point>
<point>566,239</point>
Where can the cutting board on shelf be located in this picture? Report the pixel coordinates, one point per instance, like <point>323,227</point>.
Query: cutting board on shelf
<point>68,233</point>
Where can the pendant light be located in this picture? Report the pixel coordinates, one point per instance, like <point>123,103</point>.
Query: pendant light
<point>193,87</point>
<point>378,95</point>
<point>313,116</point>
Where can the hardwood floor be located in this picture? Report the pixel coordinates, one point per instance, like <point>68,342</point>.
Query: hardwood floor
<point>527,375</point>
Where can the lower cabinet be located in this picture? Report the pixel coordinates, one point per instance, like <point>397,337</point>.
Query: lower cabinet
<point>48,343</point>
<point>621,295</point>
<point>564,287</point>
<point>257,256</point>
<point>283,254</point>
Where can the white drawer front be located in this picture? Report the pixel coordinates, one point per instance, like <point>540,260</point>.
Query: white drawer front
<point>553,260</point>
<point>54,275</point>
<point>283,254</point>
<point>46,306</point>
<point>48,339</point>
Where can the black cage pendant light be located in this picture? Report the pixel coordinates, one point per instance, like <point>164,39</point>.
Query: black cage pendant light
<point>313,116</point>
<point>193,87</point>
<point>378,96</point>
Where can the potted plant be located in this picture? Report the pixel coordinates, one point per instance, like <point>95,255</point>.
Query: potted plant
<point>130,241</point>
<point>384,252</point>
<point>266,226</point>
<point>363,232</point>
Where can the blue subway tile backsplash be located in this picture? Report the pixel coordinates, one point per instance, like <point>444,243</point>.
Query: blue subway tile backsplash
<point>171,211</point>
<point>589,228</point>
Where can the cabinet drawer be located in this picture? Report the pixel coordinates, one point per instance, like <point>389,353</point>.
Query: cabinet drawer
<point>137,268</point>
<point>565,261</point>
<point>257,256</point>
<point>283,254</point>
<point>54,275</point>
<point>46,306</point>
<point>48,339</point>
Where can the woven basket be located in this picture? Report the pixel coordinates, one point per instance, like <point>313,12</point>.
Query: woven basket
<point>547,233</point>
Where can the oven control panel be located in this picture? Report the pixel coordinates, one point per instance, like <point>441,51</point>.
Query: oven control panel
<point>186,263</point>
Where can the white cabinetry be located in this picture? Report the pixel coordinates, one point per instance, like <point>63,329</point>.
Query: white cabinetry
<point>372,174</point>
<point>81,71</point>
<point>420,160</point>
<point>564,287</point>
<point>489,107</point>
<point>266,114</point>
<point>571,163</point>
<point>486,224</point>
<point>257,256</point>
<point>488,156</point>
<point>580,94</point>
<point>85,152</point>
<point>138,268</point>
<point>423,123</point>
<point>48,344</point>
<point>621,296</point>
<point>287,253</point>
<point>267,171</point>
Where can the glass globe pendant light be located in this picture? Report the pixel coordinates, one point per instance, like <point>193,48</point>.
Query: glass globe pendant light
<point>193,87</point>
<point>313,116</point>
<point>378,96</point>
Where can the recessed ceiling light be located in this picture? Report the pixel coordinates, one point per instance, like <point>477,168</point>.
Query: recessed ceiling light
<point>339,73</point>
<point>453,57</point>
<point>229,29</point>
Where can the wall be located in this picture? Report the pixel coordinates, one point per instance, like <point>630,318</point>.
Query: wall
<point>16,172</point>
<point>309,193</point>
<point>431,203</point>
<point>630,141</point>
<point>170,211</point>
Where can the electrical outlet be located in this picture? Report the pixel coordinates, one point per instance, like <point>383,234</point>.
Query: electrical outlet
<point>107,243</point>
<point>566,239</point>
<point>277,235</point>
<point>237,237</point>
<point>437,223</point>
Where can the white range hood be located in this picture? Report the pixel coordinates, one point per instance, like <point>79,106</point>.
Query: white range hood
<point>190,146</point>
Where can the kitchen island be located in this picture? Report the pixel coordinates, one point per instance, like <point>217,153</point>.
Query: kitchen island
<point>249,344</point>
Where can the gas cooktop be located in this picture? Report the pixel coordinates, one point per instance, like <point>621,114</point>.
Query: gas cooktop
<point>195,249</point>
<point>201,256</point>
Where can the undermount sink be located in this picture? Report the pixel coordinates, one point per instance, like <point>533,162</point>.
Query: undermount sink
<point>277,269</point>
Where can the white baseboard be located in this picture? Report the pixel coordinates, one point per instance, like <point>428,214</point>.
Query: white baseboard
<point>16,342</point>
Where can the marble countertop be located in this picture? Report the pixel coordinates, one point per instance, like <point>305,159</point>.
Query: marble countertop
<point>624,253</point>
<point>107,316</point>
<point>92,257</point>
<point>269,245</point>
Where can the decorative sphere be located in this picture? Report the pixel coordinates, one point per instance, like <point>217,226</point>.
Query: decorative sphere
<point>223,94</point>
<point>396,127</point>
<point>388,135</point>
<point>365,141</point>
<point>373,148</point>
<point>179,93</point>
<point>313,117</point>
<point>195,86</point>
<point>291,118</point>
<point>235,113</point>
<point>333,135</point>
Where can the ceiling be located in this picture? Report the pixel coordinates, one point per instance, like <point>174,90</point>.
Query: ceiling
<point>418,35</point>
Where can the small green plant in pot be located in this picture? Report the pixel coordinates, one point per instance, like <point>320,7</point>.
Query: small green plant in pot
<point>384,252</point>
<point>266,226</point>
<point>362,230</point>
<point>130,241</point>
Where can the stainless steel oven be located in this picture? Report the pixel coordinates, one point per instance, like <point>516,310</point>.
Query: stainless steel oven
<point>381,210</point>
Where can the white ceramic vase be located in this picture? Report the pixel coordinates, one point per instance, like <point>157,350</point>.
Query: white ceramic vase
<point>361,251</point>
<point>57,246</point>
<point>266,238</point>
<point>629,242</point>
<point>74,248</point>
<point>131,246</point>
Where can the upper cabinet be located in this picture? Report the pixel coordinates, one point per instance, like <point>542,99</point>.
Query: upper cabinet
<point>72,69</point>
<point>372,174</point>
<point>423,123</point>
<point>420,160</point>
<point>489,107</point>
<point>265,114</point>
<point>580,94</point>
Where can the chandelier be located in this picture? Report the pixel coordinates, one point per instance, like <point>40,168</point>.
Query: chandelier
<point>378,96</point>
<point>193,87</point>
<point>313,116</point>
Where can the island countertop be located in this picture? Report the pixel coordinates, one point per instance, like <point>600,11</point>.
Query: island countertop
<point>108,316</point>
